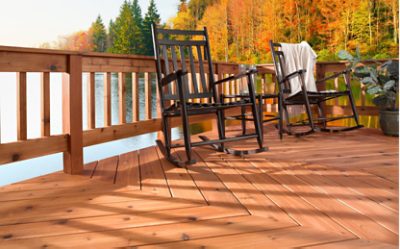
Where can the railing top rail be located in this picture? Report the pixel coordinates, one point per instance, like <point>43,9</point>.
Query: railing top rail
<point>68,52</point>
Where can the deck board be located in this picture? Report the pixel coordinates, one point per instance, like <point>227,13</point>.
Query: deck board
<point>320,191</point>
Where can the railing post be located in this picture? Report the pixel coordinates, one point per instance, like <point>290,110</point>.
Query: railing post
<point>72,115</point>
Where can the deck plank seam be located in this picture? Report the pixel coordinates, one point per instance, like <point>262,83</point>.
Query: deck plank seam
<point>263,193</point>
<point>191,177</point>
<point>310,203</point>
<point>219,178</point>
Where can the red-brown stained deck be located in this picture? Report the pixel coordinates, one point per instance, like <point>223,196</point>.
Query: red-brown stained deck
<point>325,190</point>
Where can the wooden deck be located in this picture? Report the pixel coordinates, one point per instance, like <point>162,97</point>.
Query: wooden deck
<point>320,191</point>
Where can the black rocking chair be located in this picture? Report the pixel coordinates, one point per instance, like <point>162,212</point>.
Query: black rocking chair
<point>309,98</point>
<point>181,95</point>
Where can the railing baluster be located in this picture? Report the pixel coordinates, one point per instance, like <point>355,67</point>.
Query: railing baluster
<point>21,103</point>
<point>226,87</point>
<point>91,101</point>
<point>147,94</point>
<point>65,102</point>
<point>219,86</point>
<point>107,99</point>
<point>362,95</point>
<point>122,97</point>
<point>336,83</point>
<point>45,104</point>
<point>135,97</point>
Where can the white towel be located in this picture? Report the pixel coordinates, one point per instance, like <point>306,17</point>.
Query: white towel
<point>300,56</point>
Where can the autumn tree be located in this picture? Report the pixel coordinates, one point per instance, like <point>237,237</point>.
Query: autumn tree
<point>215,18</point>
<point>197,8</point>
<point>183,19</point>
<point>78,41</point>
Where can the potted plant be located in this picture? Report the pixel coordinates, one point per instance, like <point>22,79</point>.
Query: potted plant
<point>382,82</point>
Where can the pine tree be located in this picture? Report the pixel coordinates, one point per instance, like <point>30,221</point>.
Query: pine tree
<point>138,41</point>
<point>98,35</point>
<point>111,36</point>
<point>125,29</point>
<point>150,17</point>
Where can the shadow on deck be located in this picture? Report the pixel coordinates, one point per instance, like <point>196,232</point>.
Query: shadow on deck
<point>320,191</point>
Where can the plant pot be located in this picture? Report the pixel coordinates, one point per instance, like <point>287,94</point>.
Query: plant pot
<point>389,121</point>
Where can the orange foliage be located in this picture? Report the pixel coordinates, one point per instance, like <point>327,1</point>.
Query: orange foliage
<point>78,41</point>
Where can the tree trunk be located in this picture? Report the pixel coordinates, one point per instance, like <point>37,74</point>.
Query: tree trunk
<point>395,20</point>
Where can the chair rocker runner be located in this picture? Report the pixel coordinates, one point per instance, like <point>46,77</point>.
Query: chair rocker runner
<point>309,98</point>
<point>183,94</point>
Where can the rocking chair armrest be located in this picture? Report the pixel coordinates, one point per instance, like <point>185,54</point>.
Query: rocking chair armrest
<point>294,74</point>
<point>172,77</point>
<point>237,76</point>
<point>333,76</point>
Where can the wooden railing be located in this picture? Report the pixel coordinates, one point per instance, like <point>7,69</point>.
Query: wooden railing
<point>73,65</point>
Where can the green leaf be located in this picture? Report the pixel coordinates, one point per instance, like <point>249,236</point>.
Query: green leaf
<point>373,75</point>
<point>367,80</point>
<point>374,90</point>
<point>344,55</point>
<point>389,85</point>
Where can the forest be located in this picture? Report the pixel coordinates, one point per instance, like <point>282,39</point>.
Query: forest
<point>239,30</point>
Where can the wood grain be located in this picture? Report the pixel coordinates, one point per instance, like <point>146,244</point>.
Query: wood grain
<point>73,157</point>
<point>22,128</point>
<point>107,99</point>
<point>91,101</point>
<point>45,104</point>
<point>122,97</point>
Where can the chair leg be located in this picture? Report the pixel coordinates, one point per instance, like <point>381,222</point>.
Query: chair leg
<point>353,107</point>
<point>165,148</point>
<point>321,113</point>
<point>256,117</point>
<point>280,120</point>
<point>309,115</point>
<point>186,135</point>
<point>221,127</point>
<point>167,138</point>
<point>289,129</point>
<point>261,114</point>
<point>243,113</point>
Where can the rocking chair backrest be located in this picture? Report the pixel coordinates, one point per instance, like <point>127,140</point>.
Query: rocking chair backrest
<point>278,58</point>
<point>177,50</point>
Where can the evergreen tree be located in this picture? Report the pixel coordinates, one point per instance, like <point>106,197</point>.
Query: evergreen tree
<point>111,36</point>
<point>150,17</point>
<point>98,35</point>
<point>124,41</point>
<point>138,29</point>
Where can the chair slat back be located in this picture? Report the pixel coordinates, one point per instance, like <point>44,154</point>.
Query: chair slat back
<point>278,58</point>
<point>186,50</point>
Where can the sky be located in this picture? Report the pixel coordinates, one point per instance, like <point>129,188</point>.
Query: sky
<point>29,23</point>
